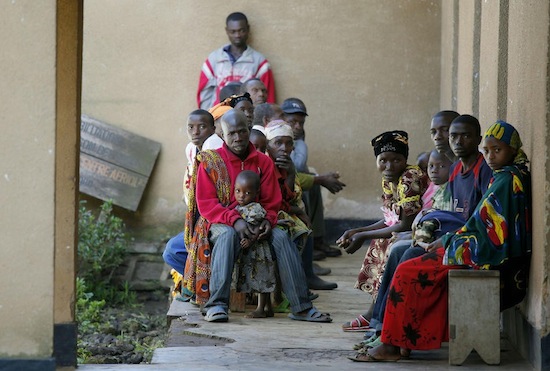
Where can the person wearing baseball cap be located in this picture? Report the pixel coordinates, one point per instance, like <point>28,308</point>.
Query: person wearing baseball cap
<point>295,115</point>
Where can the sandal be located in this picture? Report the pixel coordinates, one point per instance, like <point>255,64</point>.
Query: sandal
<point>366,357</point>
<point>358,324</point>
<point>216,314</point>
<point>283,307</point>
<point>376,342</point>
<point>313,315</point>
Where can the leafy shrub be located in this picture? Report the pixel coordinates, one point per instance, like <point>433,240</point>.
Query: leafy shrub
<point>102,245</point>
<point>88,311</point>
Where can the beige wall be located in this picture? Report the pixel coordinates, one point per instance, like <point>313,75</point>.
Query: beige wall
<point>513,80</point>
<point>361,68</point>
<point>27,145</point>
<point>527,104</point>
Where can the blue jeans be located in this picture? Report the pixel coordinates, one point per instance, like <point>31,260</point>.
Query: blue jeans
<point>401,251</point>
<point>175,253</point>
<point>226,249</point>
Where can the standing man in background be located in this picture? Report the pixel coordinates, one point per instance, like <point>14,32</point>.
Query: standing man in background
<point>234,62</point>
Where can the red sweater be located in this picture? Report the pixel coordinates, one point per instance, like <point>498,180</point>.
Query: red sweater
<point>270,193</point>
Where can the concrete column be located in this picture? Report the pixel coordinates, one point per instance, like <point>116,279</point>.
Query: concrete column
<point>493,62</point>
<point>468,57</point>
<point>527,108</point>
<point>449,54</point>
<point>514,71</point>
<point>69,72</point>
<point>40,76</point>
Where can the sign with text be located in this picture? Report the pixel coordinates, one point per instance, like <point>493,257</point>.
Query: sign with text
<point>115,164</point>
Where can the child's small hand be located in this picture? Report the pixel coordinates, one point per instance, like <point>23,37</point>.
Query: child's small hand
<point>245,243</point>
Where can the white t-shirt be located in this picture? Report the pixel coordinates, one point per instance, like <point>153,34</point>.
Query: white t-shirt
<point>212,142</point>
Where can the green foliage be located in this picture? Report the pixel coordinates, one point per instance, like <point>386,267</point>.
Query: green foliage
<point>88,316</point>
<point>88,311</point>
<point>104,304</point>
<point>102,245</point>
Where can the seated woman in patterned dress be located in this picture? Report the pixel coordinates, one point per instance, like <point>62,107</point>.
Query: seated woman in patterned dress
<point>403,186</point>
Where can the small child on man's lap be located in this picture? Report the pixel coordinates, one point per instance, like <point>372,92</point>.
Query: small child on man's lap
<point>255,267</point>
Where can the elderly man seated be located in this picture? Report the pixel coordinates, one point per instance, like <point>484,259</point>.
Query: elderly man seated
<point>209,272</point>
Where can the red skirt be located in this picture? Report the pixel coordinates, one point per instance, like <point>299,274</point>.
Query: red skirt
<point>416,310</point>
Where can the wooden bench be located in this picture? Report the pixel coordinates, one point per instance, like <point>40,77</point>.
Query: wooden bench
<point>474,315</point>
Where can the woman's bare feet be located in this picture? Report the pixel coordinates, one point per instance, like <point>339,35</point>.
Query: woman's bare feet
<point>385,352</point>
<point>258,313</point>
<point>381,353</point>
<point>405,353</point>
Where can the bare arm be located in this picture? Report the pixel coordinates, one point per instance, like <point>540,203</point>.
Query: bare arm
<point>343,241</point>
<point>357,240</point>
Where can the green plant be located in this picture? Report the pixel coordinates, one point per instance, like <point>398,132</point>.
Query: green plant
<point>102,245</point>
<point>88,310</point>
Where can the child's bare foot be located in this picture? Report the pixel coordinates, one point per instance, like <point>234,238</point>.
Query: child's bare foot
<point>269,312</point>
<point>258,313</point>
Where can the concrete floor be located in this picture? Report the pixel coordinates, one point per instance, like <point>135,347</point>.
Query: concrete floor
<point>260,344</point>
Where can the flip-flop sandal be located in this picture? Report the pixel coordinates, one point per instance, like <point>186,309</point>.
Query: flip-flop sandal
<point>373,344</point>
<point>216,314</point>
<point>283,307</point>
<point>366,357</point>
<point>313,315</point>
<point>358,324</point>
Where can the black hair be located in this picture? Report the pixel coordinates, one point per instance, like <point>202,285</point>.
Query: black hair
<point>468,120</point>
<point>249,175</point>
<point>260,111</point>
<point>236,16</point>
<point>201,112</point>
<point>244,86</point>
<point>449,116</point>
<point>232,88</point>
<point>435,152</point>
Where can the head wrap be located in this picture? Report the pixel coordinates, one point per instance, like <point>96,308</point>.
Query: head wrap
<point>392,141</point>
<point>508,134</point>
<point>236,99</point>
<point>278,128</point>
<point>220,109</point>
<point>260,128</point>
